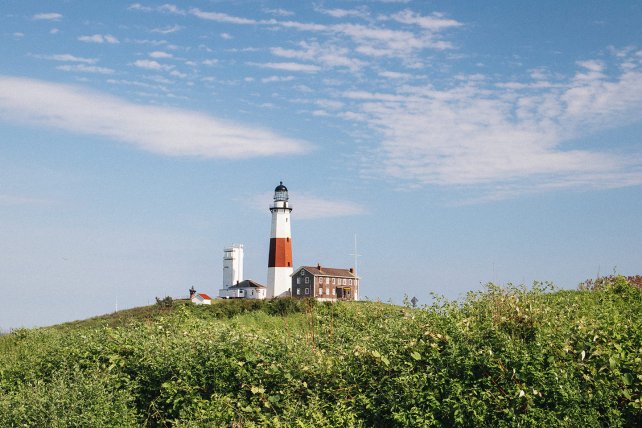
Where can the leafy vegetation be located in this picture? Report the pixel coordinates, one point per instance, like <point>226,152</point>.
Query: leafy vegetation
<point>501,357</point>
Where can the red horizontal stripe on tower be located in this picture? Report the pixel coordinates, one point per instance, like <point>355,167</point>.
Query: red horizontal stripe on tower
<point>280,252</point>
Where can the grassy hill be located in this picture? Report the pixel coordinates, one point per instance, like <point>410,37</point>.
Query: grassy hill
<point>501,357</point>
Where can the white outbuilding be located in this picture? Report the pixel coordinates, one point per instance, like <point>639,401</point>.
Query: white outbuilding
<point>201,299</point>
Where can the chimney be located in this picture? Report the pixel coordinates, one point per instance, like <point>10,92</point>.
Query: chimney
<point>319,266</point>
<point>351,270</point>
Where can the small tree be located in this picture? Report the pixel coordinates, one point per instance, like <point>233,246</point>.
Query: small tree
<point>166,302</point>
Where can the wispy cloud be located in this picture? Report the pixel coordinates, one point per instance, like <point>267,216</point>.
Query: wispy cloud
<point>149,64</point>
<point>51,16</point>
<point>167,30</point>
<point>160,55</point>
<point>222,17</point>
<point>370,40</point>
<point>506,140</point>
<point>161,130</point>
<point>434,22</point>
<point>99,38</point>
<point>83,68</point>
<point>327,55</point>
<point>360,12</point>
<point>273,79</point>
<point>310,207</point>
<point>288,66</point>
<point>67,58</point>
<point>279,12</point>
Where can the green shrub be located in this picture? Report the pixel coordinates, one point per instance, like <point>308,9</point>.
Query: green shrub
<point>511,356</point>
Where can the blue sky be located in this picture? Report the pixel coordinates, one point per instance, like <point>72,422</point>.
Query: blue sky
<point>462,142</point>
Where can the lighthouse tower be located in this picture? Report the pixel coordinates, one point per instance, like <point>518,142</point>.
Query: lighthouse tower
<point>280,259</point>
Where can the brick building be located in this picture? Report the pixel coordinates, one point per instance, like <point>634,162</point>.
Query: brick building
<point>325,284</point>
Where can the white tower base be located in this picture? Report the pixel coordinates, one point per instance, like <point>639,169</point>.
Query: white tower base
<point>280,277</point>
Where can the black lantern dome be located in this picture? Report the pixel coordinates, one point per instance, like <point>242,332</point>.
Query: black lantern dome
<point>280,193</point>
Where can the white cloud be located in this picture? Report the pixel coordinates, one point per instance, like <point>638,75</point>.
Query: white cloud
<point>82,68</point>
<point>221,17</point>
<point>167,30</point>
<point>288,66</point>
<point>68,58</point>
<point>508,139</point>
<point>161,130</point>
<point>52,16</point>
<point>152,65</point>
<point>327,55</point>
<point>311,207</point>
<point>330,104</point>
<point>160,54</point>
<point>273,79</point>
<point>279,12</point>
<point>226,36</point>
<point>370,40</point>
<point>395,75</point>
<point>165,8</point>
<point>434,22</point>
<point>99,38</point>
<point>345,13</point>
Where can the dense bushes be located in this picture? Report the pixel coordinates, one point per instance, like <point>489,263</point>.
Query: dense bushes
<point>501,357</point>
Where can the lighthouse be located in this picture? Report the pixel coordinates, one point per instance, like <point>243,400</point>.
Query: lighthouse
<point>280,259</point>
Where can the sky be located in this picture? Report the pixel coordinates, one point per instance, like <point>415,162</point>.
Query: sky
<point>456,142</point>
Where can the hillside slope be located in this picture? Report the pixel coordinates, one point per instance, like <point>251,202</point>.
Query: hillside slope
<point>502,357</point>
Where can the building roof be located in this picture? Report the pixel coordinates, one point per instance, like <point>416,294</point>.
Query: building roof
<point>325,271</point>
<point>281,188</point>
<point>204,296</point>
<point>248,283</point>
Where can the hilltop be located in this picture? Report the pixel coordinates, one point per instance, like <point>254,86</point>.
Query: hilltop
<point>501,357</point>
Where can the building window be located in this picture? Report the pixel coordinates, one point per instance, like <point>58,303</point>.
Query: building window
<point>307,279</point>
<point>344,281</point>
<point>320,280</point>
<point>307,290</point>
<point>327,290</point>
<point>334,291</point>
<point>334,280</point>
<point>298,280</point>
<point>349,282</point>
<point>298,291</point>
<point>320,291</point>
<point>302,272</point>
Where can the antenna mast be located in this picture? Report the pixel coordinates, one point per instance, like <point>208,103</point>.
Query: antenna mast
<point>355,254</point>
